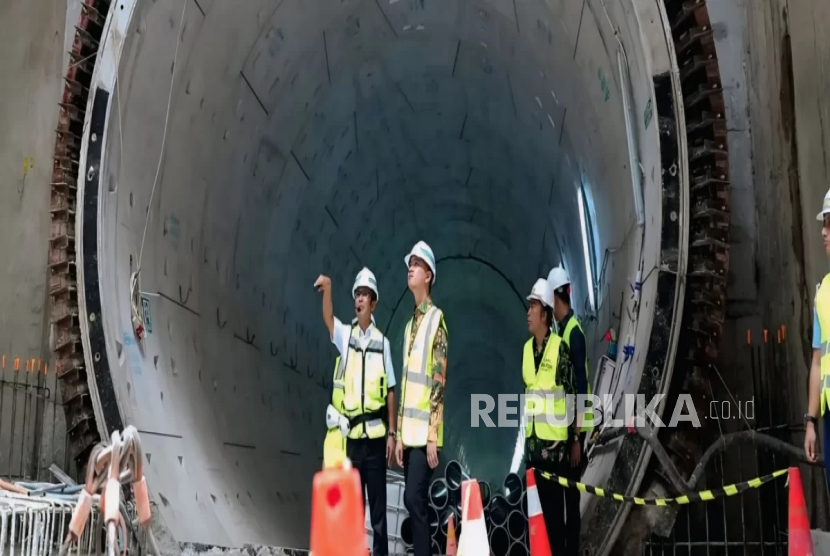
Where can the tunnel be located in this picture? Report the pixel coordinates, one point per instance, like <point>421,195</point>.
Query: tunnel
<point>231,152</point>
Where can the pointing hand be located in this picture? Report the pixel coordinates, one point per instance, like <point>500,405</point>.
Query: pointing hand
<point>322,283</point>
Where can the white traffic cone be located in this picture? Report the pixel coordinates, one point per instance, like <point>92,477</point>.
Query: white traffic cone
<point>473,541</point>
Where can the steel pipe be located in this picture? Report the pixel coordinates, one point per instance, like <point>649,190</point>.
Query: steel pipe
<point>454,475</point>
<point>518,549</point>
<point>499,541</point>
<point>516,525</point>
<point>434,520</point>
<point>439,494</point>
<point>513,489</point>
<point>499,510</point>
<point>484,487</point>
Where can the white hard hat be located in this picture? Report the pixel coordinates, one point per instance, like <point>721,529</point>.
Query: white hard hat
<point>540,292</point>
<point>366,278</point>
<point>557,278</point>
<point>423,251</point>
<point>825,209</point>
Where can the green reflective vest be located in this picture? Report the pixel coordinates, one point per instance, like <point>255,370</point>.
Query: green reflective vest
<point>546,411</point>
<point>334,446</point>
<point>364,385</point>
<point>416,384</point>
<point>822,304</point>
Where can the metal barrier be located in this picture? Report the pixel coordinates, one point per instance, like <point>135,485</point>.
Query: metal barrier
<point>37,527</point>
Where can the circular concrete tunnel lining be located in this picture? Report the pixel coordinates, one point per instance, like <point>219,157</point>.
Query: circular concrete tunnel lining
<point>307,138</point>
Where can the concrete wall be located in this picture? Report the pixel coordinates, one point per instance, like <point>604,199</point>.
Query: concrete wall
<point>773,58</point>
<point>31,424</point>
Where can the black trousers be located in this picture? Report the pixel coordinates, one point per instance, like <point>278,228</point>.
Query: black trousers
<point>368,456</point>
<point>552,499</point>
<point>572,496</point>
<point>416,472</point>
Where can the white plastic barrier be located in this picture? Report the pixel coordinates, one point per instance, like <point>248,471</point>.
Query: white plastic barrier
<point>395,513</point>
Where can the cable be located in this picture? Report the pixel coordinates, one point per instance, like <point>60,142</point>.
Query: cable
<point>137,318</point>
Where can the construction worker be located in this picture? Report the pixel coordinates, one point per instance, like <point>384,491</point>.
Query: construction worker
<point>550,433</point>
<point>422,394</point>
<point>365,411</point>
<point>570,330</point>
<point>819,384</point>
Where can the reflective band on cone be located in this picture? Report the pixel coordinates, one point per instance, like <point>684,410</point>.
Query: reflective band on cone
<point>537,533</point>
<point>473,540</point>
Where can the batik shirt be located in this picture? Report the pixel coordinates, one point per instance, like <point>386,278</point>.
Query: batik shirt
<point>439,368</point>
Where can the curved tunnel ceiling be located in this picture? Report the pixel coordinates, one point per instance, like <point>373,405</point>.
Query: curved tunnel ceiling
<point>308,137</point>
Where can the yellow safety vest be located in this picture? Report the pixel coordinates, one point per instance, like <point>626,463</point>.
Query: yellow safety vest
<point>822,304</point>
<point>334,446</point>
<point>546,409</point>
<point>573,322</point>
<point>365,387</point>
<point>417,381</point>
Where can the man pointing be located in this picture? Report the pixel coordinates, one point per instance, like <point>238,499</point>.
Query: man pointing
<point>366,375</point>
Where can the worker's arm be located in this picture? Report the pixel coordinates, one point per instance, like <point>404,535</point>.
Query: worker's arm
<point>323,285</point>
<point>391,402</point>
<point>439,379</point>
<point>580,372</point>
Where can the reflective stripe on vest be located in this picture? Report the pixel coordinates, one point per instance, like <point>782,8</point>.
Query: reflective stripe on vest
<point>822,304</point>
<point>417,381</point>
<point>573,322</point>
<point>364,380</point>
<point>334,445</point>
<point>546,410</point>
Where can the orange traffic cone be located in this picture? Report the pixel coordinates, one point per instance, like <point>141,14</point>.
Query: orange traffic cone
<point>337,513</point>
<point>800,542</point>
<point>536,531</point>
<point>452,546</point>
<point>473,541</point>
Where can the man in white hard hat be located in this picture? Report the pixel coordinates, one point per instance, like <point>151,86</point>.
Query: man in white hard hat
<point>421,415</point>
<point>818,397</point>
<point>548,375</point>
<point>363,395</point>
<point>570,330</point>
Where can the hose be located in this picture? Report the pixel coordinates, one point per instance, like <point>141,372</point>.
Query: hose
<point>649,434</point>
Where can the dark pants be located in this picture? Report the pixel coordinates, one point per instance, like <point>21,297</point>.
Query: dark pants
<point>826,447</point>
<point>552,499</point>
<point>572,495</point>
<point>368,456</point>
<point>416,472</point>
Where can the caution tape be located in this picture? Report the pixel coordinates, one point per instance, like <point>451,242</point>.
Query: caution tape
<point>703,495</point>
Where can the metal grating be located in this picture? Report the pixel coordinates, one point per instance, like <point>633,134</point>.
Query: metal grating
<point>756,522</point>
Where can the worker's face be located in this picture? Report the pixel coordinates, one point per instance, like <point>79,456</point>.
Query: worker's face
<point>419,273</point>
<point>364,305</point>
<point>825,234</point>
<point>536,317</point>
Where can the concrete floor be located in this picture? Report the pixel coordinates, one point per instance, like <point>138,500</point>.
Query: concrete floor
<point>234,121</point>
